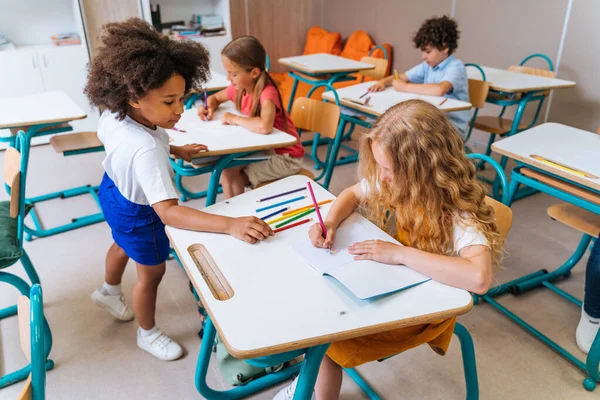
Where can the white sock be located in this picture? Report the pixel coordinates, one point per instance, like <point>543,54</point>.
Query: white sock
<point>586,331</point>
<point>111,290</point>
<point>144,333</point>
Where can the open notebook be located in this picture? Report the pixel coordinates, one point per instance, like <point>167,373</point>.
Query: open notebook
<point>365,279</point>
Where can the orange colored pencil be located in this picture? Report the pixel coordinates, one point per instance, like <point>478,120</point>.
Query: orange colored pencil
<point>306,207</point>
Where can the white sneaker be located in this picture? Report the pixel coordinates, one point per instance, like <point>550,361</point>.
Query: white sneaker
<point>160,346</point>
<point>287,393</point>
<point>113,304</point>
<point>586,331</point>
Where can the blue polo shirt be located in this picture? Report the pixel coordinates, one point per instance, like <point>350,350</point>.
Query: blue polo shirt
<point>453,71</point>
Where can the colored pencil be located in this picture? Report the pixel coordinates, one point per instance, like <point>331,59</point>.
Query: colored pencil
<point>274,213</point>
<point>178,130</point>
<point>205,100</point>
<point>363,95</point>
<point>312,195</point>
<point>283,217</point>
<point>396,73</point>
<point>294,218</point>
<point>293,225</point>
<point>443,101</point>
<point>280,194</point>
<point>294,211</point>
<point>280,204</point>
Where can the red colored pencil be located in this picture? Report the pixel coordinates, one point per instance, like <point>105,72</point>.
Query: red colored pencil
<point>443,101</point>
<point>292,225</point>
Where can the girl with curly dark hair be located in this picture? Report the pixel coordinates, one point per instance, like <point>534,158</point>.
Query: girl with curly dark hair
<point>138,81</point>
<point>440,73</point>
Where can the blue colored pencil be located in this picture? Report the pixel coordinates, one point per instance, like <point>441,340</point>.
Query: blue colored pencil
<point>280,204</point>
<point>281,194</point>
<point>275,213</point>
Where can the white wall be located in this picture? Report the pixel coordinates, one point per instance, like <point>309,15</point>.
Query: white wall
<point>27,22</point>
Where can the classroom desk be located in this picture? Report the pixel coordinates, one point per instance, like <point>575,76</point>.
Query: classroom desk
<point>44,114</point>
<point>320,70</point>
<point>227,146</point>
<point>568,149</point>
<point>273,302</point>
<point>509,84</point>
<point>217,82</point>
<point>378,104</point>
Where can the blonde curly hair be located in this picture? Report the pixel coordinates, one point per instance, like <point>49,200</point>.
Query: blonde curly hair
<point>433,184</point>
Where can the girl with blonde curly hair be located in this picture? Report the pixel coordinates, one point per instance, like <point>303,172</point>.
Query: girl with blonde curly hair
<point>419,186</point>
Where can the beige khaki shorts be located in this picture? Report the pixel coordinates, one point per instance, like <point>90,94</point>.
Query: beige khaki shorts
<point>277,167</point>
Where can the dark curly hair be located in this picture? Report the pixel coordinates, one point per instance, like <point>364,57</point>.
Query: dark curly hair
<point>440,33</point>
<point>134,59</point>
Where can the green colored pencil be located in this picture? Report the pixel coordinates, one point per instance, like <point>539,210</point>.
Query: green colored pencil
<point>295,217</point>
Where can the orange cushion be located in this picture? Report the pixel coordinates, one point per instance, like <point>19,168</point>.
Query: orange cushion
<point>318,40</point>
<point>357,46</point>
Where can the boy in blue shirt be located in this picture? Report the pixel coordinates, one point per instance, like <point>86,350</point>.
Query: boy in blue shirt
<point>440,73</point>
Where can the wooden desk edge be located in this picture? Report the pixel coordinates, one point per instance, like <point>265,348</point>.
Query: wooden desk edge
<point>372,111</point>
<point>587,183</point>
<point>244,149</point>
<point>501,89</point>
<point>301,344</point>
<point>297,67</point>
<point>39,122</point>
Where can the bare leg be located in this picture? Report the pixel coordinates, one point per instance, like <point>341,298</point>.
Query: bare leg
<point>233,181</point>
<point>144,293</point>
<point>116,261</point>
<point>329,381</point>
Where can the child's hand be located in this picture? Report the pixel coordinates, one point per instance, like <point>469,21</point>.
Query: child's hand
<point>228,119</point>
<point>376,250</point>
<point>315,233</point>
<point>249,229</point>
<point>206,113</point>
<point>187,151</point>
<point>399,85</point>
<point>378,87</point>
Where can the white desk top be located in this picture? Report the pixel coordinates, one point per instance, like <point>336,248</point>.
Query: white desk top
<point>39,108</point>
<point>281,303</point>
<point>563,144</point>
<point>323,63</point>
<point>381,101</point>
<point>514,82</point>
<point>224,139</point>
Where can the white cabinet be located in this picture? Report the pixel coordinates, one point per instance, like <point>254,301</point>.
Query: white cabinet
<point>20,73</point>
<point>35,69</point>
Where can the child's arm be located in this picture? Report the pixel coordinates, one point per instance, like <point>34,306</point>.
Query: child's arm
<point>248,229</point>
<point>186,152</point>
<point>430,89</point>
<point>471,271</point>
<point>341,208</point>
<point>385,82</point>
<point>262,124</point>
<point>212,103</point>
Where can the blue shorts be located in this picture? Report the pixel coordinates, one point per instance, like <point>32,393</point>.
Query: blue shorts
<point>136,228</point>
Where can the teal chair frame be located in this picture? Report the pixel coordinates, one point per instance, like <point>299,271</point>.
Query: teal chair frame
<point>508,100</point>
<point>24,147</point>
<point>544,278</point>
<point>21,285</point>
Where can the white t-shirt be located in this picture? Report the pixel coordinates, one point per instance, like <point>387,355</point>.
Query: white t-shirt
<point>137,159</point>
<point>464,235</point>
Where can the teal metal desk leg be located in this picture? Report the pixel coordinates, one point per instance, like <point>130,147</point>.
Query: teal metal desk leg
<point>592,363</point>
<point>333,153</point>
<point>253,386</point>
<point>293,93</point>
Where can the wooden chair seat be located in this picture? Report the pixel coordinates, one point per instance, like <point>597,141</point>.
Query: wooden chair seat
<point>495,125</point>
<point>575,217</point>
<point>562,185</point>
<point>75,141</point>
<point>303,172</point>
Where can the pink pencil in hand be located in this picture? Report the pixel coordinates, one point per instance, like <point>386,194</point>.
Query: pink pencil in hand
<point>314,200</point>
